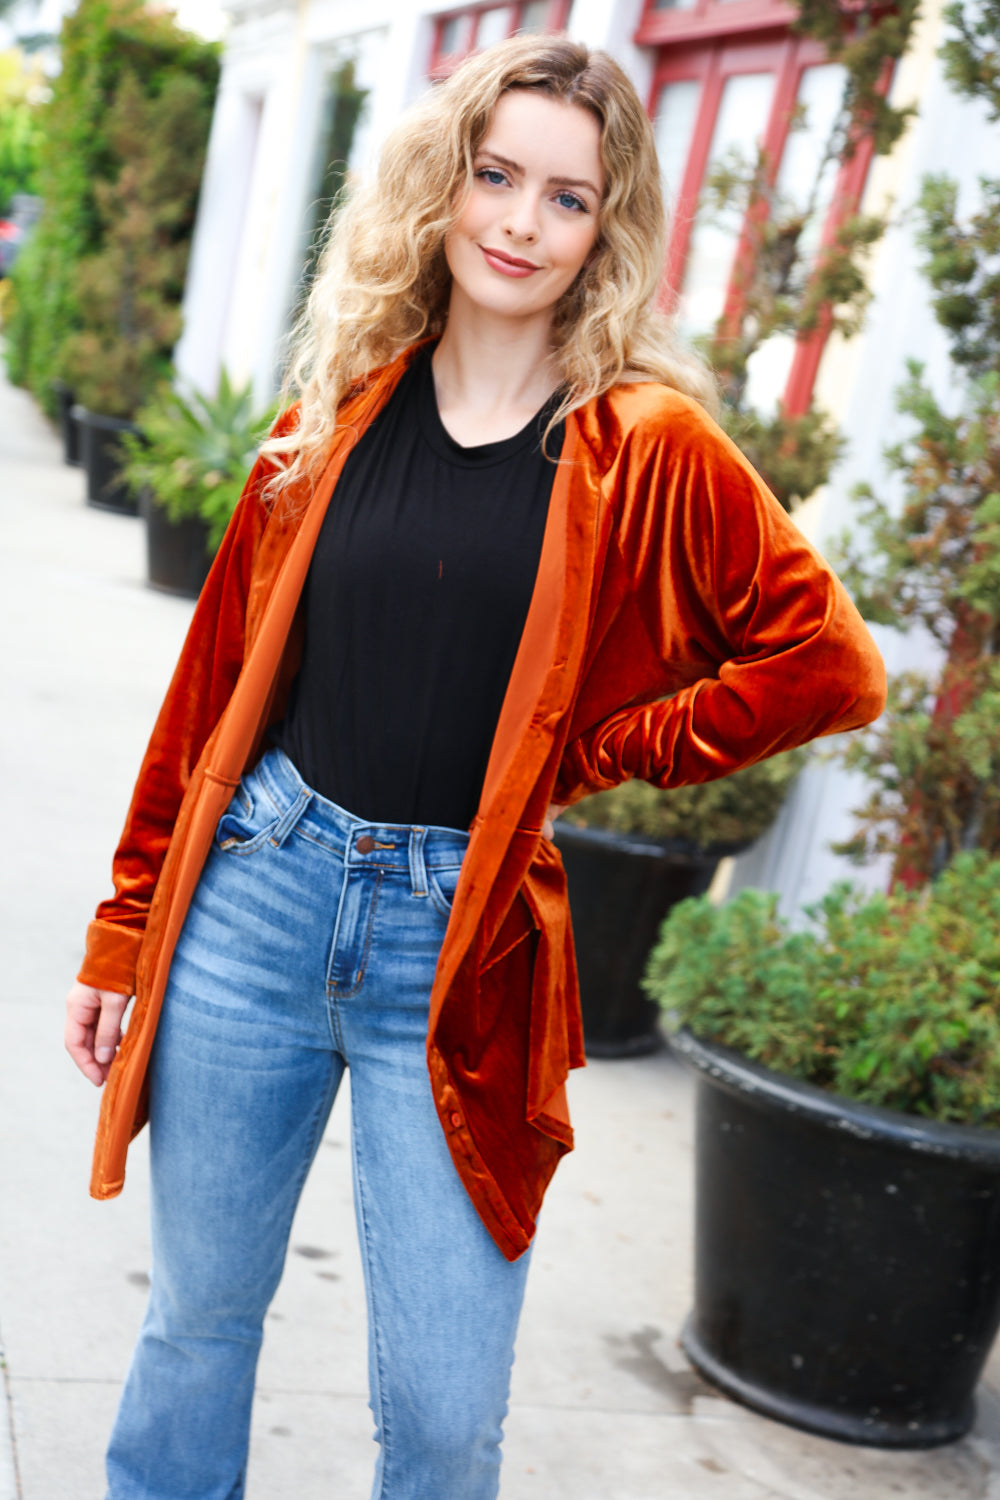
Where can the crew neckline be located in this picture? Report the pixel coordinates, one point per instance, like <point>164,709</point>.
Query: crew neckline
<point>478,455</point>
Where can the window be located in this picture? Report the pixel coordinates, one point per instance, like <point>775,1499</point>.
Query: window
<point>460,32</point>
<point>729,77</point>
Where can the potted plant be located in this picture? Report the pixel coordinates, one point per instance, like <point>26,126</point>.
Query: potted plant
<point>187,471</point>
<point>130,290</point>
<point>847,1260</point>
<point>847,1154</point>
<point>629,854</point>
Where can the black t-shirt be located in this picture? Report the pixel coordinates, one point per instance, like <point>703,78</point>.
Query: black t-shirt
<point>415,602</point>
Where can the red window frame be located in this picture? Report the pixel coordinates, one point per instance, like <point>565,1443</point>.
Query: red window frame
<point>712,41</point>
<point>443,63</point>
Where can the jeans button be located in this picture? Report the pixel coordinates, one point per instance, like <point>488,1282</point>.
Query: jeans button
<point>365,844</point>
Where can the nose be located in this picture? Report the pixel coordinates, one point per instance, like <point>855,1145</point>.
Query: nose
<point>521,218</point>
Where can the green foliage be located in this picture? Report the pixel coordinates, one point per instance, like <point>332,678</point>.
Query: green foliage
<point>103,44</point>
<point>784,287</point>
<point>19,146</point>
<point>195,452</point>
<point>972,54</point>
<point>130,290</point>
<point>731,811</point>
<point>933,560</point>
<point>936,559</point>
<point>963,267</point>
<point>933,760</point>
<point>866,38</point>
<point>794,454</point>
<point>344,104</point>
<point>891,1000</point>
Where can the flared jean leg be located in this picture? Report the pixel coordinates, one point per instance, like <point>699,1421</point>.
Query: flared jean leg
<point>442,1319</point>
<point>233,1132</point>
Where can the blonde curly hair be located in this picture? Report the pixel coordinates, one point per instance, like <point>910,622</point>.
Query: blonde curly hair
<point>383,282</point>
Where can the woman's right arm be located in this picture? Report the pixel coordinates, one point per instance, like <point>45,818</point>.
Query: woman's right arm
<point>206,672</point>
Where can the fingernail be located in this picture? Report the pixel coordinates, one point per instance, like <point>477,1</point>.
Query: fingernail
<point>104,1054</point>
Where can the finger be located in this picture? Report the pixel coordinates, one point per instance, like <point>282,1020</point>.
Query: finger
<point>108,1033</point>
<point>83,1006</point>
<point>79,1040</point>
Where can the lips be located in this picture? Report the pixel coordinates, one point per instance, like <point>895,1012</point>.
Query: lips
<point>509,265</point>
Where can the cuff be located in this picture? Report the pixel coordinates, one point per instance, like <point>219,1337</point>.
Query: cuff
<point>111,958</point>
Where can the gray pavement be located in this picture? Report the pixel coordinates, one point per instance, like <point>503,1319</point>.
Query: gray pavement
<point>604,1406</point>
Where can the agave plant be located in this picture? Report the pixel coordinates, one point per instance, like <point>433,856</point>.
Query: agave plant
<point>196,451</point>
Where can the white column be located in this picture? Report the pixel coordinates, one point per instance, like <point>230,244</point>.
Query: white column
<point>222,209</point>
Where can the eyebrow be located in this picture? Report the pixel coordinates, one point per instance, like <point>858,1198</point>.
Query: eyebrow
<point>513,166</point>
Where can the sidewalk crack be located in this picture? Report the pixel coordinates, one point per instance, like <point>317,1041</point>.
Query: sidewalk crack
<point>8,1459</point>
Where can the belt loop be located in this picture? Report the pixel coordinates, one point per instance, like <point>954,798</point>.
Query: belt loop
<point>418,870</point>
<point>288,820</point>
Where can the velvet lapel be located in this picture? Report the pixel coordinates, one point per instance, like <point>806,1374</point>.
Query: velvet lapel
<point>289,564</point>
<point>541,689</point>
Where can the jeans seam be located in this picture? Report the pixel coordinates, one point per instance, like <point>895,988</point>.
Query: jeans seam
<point>375,1327</point>
<point>320,1115</point>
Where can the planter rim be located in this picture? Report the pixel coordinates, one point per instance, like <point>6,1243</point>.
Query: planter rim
<point>82,413</point>
<point>647,844</point>
<point>738,1075</point>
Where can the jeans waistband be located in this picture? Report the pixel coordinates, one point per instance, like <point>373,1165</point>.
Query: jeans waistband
<point>412,847</point>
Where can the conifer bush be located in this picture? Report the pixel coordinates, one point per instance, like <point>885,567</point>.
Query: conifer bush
<point>121,154</point>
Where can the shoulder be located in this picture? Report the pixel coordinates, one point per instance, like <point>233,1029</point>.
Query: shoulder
<point>287,420</point>
<point>643,423</point>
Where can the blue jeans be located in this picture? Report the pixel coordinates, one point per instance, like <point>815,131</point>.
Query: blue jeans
<point>311,946</point>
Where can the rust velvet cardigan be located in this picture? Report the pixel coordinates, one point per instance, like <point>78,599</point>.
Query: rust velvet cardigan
<point>667,568</point>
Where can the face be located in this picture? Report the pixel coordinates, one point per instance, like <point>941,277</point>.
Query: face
<point>531,218</point>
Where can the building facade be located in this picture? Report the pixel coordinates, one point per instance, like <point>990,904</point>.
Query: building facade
<point>309,89</point>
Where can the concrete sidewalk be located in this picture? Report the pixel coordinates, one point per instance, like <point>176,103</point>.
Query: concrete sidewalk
<point>604,1405</point>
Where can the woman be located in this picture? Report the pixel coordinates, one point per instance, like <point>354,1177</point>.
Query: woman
<point>543,570</point>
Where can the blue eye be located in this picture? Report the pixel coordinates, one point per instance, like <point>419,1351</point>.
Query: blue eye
<point>570,200</point>
<point>492,175</point>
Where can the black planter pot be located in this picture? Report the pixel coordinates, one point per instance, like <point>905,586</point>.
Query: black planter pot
<point>847,1259</point>
<point>177,552</point>
<point>101,456</point>
<point>68,425</point>
<point>621,886</point>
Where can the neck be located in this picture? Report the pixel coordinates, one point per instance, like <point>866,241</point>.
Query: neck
<point>488,363</point>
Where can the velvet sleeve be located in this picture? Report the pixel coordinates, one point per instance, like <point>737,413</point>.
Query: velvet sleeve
<point>755,638</point>
<point>206,672</point>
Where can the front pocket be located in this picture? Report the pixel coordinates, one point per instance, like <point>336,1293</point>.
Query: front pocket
<point>246,823</point>
<point>441,886</point>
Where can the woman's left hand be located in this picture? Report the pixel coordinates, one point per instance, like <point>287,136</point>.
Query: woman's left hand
<point>551,813</point>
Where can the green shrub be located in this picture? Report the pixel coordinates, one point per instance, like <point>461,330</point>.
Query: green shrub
<point>103,43</point>
<point>888,999</point>
<point>19,144</point>
<point>734,810</point>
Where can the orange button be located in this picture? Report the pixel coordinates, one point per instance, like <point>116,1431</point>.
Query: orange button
<point>456,1119</point>
<point>365,844</point>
